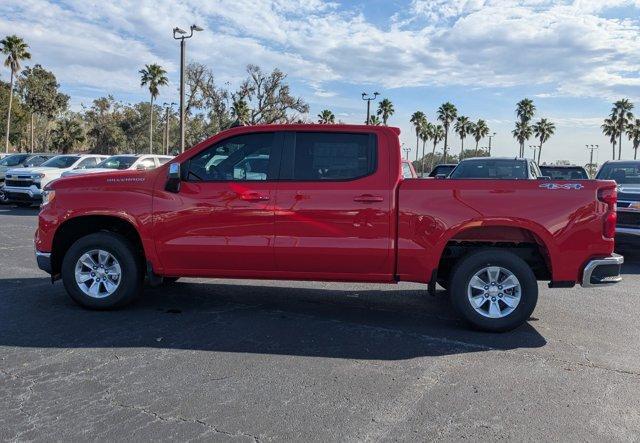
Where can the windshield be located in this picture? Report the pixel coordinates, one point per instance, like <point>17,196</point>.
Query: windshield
<point>622,173</point>
<point>13,160</point>
<point>491,169</point>
<point>564,173</point>
<point>61,161</point>
<point>117,162</point>
<point>441,169</point>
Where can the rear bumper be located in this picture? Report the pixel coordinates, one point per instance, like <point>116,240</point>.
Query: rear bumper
<point>44,261</point>
<point>602,271</point>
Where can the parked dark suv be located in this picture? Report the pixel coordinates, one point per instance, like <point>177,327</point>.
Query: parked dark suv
<point>562,172</point>
<point>627,174</point>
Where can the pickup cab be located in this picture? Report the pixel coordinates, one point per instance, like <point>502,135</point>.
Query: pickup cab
<point>329,204</point>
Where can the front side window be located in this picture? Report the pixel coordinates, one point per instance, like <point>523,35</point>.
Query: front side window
<point>241,158</point>
<point>87,163</point>
<point>333,156</point>
<point>13,160</point>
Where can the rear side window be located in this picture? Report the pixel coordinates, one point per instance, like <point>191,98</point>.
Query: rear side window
<point>322,156</point>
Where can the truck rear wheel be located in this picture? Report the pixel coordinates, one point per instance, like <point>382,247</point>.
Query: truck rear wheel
<point>102,271</point>
<point>494,290</point>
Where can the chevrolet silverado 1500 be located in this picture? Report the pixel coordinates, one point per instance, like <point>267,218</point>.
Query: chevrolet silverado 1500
<point>328,203</point>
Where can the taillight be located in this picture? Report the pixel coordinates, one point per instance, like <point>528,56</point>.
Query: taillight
<point>610,197</point>
<point>609,227</point>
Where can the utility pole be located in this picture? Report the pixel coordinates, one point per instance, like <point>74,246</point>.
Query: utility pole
<point>490,137</point>
<point>165,139</point>
<point>367,97</point>
<point>592,168</point>
<point>181,34</point>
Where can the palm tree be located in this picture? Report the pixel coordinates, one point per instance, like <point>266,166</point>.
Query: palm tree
<point>522,133</point>
<point>240,110</point>
<point>437,135</point>
<point>385,110</point>
<point>374,120</point>
<point>154,76</point>
<point>622,116</point>
<point>610,129</point>
<point>463,128</point>
<point>419,120</point>
<point>525,109</point>
<point>447,113</point>
<point>66,135</point>
<point>479,131</point>
<point>543,129</point>
<point>16,50</point>
<point>425,136</point>
<point>633,132</point>
<point>326,117</point>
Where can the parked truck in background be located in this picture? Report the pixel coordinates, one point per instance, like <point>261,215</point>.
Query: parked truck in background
<point>330,204</point>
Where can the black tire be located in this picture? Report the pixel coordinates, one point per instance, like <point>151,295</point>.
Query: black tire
<point>468,266</point>
<point>444,283</point>
<point>132,275</point>
<point>170,280</point>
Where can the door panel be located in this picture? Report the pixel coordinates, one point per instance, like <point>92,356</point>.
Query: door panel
<point>326,225</point>
<point>222,219</point>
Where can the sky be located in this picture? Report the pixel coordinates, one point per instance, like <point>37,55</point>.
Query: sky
<point>572,57</point>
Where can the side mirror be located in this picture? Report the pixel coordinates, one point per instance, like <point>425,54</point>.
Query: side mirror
<point>173,178</point>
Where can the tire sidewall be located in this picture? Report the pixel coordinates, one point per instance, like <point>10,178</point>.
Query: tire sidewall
<point>120,248</point>
<point>474,262</point>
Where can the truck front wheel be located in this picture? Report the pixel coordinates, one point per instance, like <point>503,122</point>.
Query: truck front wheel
<point>493,289</point>
<point>102,271</point>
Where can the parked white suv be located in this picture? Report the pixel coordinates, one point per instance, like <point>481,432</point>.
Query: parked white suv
<point>24,186</point>
<point>122,162</point>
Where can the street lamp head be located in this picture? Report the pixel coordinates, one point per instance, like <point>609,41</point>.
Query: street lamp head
<point>177,30</point>
<point>196,28</point>
<point>375,94</point>
<point>364,94</point>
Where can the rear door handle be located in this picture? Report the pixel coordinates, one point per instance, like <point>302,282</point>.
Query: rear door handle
<point>368,198</point>
<point>253,196</point>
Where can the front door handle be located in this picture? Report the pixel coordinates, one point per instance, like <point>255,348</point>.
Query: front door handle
<point>253,197</point>
<point>368,198</point>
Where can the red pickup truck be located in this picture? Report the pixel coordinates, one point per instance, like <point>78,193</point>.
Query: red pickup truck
<point>326,203</point>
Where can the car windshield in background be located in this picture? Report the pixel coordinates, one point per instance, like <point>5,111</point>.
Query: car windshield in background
<point>442,170</point>
<point>622,173</point>
<point>555,173</point>
<point>61,161</point>
<point>13,160</point>
<point>491,169</point>
<point>117,162</point>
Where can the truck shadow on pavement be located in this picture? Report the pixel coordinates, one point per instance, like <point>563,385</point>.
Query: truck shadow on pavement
<point>246,317</point>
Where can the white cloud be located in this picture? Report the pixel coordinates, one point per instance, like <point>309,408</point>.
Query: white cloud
<point>565,48</point>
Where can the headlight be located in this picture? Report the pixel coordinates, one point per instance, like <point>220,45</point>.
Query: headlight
<point>38,176</point>
<point>48,195</point>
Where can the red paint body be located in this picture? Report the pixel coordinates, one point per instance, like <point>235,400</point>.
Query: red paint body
<point>380,228</point>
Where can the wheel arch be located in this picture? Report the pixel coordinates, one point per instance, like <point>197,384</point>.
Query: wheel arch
<point>531,242</point>
<point>77,227</point>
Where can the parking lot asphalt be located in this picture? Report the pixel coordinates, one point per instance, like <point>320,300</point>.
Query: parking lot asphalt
<point>252,360</point>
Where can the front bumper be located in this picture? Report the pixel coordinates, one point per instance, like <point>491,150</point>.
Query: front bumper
<point>44,261</point>
<point>17,194</point>
<point>602,271</point>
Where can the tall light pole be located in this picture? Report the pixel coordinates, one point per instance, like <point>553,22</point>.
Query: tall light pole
<point>490,137</point>
<point>367,97</point>
<point>181,34</point>
<point>533,148</point>
<point>406,151</point>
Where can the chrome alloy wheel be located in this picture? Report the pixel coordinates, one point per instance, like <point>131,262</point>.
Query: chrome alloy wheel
<point>98,273</point>
<point>494,292</point>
